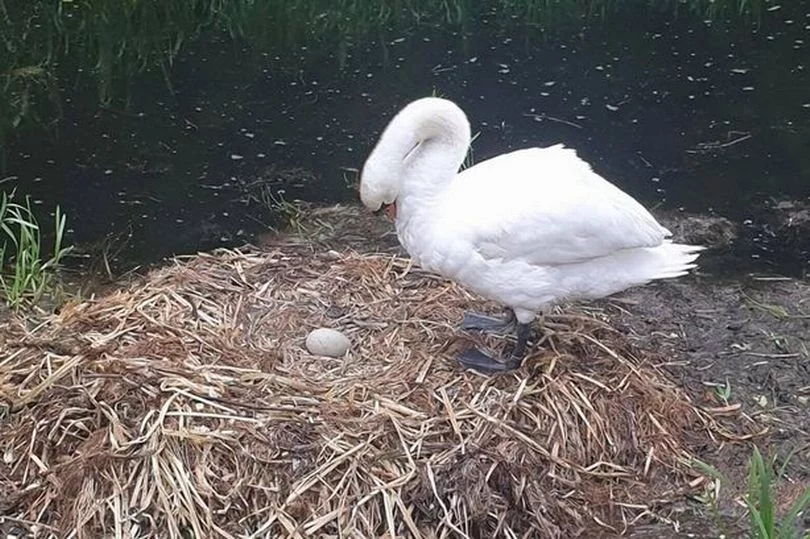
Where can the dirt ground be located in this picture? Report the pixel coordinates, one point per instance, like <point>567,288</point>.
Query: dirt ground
<point>742,344</point>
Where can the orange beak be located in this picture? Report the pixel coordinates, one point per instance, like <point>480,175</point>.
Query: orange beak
<point>391,210</point>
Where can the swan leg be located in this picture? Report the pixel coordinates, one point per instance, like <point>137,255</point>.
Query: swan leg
<point>482,362</point>
<point>489,324</point>
<point>523,332</point>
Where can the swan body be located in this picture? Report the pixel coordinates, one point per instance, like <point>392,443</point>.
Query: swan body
<point>528,229</point>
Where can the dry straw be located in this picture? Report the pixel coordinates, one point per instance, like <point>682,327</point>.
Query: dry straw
<point>184,405</point>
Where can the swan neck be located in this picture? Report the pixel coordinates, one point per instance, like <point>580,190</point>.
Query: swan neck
<point>418,154</point>
<point>441,138</point>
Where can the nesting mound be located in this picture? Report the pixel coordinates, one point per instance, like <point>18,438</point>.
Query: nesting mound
<point>185,405</point>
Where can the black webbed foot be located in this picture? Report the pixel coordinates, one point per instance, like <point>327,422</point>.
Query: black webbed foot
<point>482,362</point>
<point>475,359</point>
<point>489,324</point>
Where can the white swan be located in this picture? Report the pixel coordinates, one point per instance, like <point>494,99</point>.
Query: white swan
<point>528,229</point>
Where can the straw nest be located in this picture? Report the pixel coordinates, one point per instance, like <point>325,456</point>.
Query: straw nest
<point>185,405</point>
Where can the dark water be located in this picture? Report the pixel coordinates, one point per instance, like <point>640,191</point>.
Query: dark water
<point>678,113</point>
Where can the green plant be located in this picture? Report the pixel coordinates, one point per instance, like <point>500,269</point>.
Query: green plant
<point>759,498</point>
<point>724,391</point>
<point>289,212</point>
<point>25,275</point>
<point>761,504</point>
<point>711,492</point>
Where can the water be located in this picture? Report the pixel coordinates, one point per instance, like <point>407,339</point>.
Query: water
<point>677,113</point>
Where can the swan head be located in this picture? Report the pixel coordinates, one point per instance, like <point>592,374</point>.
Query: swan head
<point>379,183</point>
<point>403,147</point>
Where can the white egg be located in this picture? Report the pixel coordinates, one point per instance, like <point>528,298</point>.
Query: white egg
<point>327,342</point>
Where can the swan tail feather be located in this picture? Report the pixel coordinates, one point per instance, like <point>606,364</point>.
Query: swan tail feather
<point>673,259</point>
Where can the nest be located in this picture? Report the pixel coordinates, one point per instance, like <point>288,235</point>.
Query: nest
<point>185,405</point>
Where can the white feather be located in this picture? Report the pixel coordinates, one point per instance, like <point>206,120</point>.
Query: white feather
<point>528,229</point>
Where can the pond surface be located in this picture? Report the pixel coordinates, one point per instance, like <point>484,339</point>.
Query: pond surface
<point>681,113</point>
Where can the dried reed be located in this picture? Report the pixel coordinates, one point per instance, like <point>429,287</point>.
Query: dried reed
<point>184,405</point>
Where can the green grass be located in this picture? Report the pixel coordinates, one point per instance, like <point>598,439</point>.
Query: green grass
<point>27,273</point>
<point>762,513</point>
<point>289,212</point>
<point>764,519</point>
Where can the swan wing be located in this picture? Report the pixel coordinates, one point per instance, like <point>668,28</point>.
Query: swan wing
<point>546,206</point>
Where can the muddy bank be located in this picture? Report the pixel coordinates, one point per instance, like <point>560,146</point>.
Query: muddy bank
<point>746,332</point>
<point>742,345</point>
<point>751,335</point>
<point>735,340</point>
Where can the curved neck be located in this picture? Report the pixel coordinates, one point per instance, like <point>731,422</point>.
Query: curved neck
<point>423,147</point>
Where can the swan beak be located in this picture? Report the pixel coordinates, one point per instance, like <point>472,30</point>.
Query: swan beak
<point>390,210</point>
